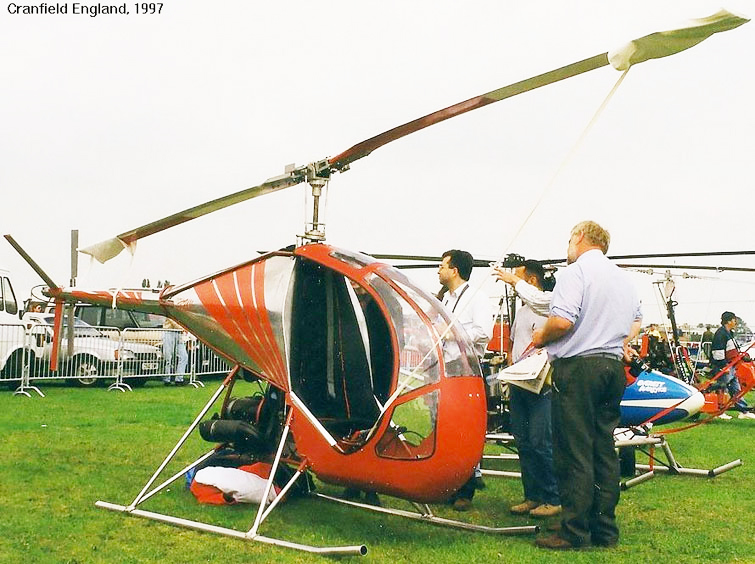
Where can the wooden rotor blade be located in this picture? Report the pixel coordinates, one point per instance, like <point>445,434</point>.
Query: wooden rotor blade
<point>364,148</point>
<point>653,46</point>
<point>110,248</point>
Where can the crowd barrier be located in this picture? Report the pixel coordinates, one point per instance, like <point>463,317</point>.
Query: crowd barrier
<point>99,355</point>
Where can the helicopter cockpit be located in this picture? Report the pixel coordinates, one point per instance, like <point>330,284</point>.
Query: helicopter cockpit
<point>365,341</point>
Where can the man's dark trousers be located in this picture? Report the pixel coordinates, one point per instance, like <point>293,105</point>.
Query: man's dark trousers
<point>587,392</point>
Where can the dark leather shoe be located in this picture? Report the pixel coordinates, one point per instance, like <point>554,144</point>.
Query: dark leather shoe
<point>462,504</point>
<point>606,543</point>
<point>554,542</point>
<point>351,493</point>
<point>371,498</point>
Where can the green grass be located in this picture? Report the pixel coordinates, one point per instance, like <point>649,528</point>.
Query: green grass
<point>76,446</point>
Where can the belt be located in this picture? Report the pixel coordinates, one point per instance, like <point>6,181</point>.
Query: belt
<point>609,356</point>
<point>602,355</point>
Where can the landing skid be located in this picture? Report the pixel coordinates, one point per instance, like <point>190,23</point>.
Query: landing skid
<point>262,512</point>
<point>647,444</point>
<point>425,514</point>
<point>628,441</point>
<point>264,509</point>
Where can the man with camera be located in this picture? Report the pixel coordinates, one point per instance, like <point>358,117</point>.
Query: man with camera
<point>531,408</point>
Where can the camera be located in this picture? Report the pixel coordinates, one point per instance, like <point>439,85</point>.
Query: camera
<point>513,260</point>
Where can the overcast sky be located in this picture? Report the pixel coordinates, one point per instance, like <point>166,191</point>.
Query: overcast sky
<point>111,122</point>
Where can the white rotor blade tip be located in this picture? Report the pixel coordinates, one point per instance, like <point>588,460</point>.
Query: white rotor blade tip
<point>665,43</point>
<point>108,249</point>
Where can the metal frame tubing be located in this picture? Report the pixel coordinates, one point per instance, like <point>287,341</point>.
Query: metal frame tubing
<point>428,517</point>
<point>180,443</point>
<point>269,485</point>
<point>672,467</point>
<point>25,383</point>
<point>625,485</point>
<point>359,550</point>
<point>262,514</point>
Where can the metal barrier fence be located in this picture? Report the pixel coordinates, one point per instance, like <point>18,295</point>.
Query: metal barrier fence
<point>104,354</point>
<point>14,353</point>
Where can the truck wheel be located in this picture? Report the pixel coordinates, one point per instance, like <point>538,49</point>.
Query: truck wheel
<point>14,365</point>
<point>86,371</point>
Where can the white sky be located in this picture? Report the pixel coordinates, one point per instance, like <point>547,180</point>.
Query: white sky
<point>110,122</point>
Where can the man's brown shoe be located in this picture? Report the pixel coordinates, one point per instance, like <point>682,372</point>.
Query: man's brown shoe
<point>554,542</point>
<point>525,507</point>
<point>545,510</point>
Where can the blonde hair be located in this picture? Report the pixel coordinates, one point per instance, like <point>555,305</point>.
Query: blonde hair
<point>594,233</point>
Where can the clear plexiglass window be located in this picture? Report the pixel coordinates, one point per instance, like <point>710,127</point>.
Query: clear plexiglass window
<point>411,434</point>
<point>425,328</point>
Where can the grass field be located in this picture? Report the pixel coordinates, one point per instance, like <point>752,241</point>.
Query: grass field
<point>76,446</point>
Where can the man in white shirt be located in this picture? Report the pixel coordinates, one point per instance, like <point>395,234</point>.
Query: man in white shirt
<point>472,313</point>
<point>471,310</point>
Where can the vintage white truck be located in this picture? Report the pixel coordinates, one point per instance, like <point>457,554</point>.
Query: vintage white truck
<point>12,334</point>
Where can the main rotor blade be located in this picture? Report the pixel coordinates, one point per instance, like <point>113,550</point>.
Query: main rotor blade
<point>653,46</point>
<point>688,267</point>
<point>340,162</point>
<point>661,255</point>
<point>432,261</point>
<point>661,44</point>
<point>110,248</point>
<point>428,261</point>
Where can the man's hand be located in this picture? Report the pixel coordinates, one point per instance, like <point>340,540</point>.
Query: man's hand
<point>555,328</point>
<point>537,338</point>
<point>505,275</point>
<point>630,353</point>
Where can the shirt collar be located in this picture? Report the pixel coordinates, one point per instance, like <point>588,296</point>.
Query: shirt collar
<point>456,293</point>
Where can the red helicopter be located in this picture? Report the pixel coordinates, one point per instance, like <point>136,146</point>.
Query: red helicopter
<point>370,384</point>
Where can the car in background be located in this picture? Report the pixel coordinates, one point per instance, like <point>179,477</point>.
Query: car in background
<point>134,326</point>
<point>140,327</point>
<point>12,336</point>
<point>94,356</point>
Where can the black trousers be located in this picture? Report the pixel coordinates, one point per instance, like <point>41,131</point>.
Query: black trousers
<point>587,392</point>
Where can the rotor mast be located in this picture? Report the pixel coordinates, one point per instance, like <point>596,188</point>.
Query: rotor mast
<point>317,176</point>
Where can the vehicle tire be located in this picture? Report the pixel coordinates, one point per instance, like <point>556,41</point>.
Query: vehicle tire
<point>14,366</point>
<point>86,371</point>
